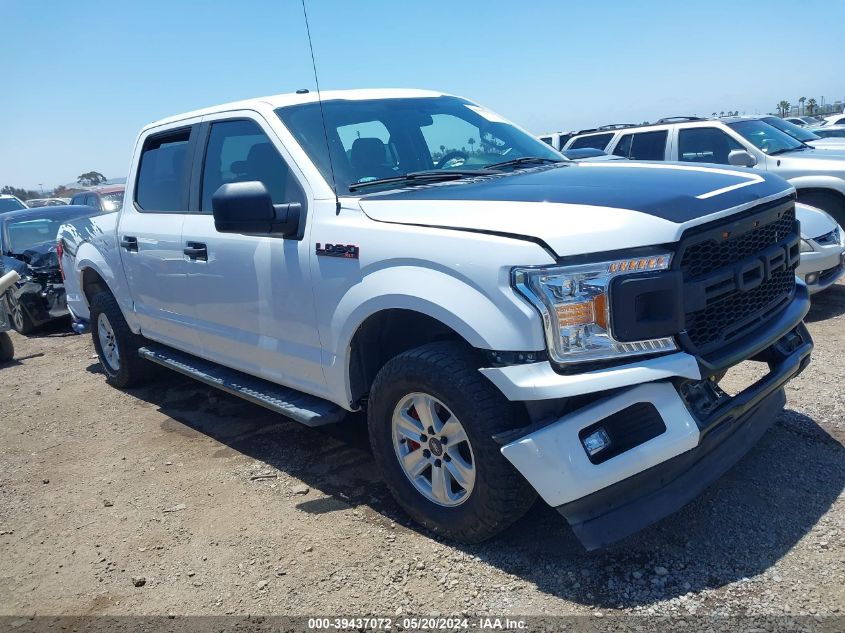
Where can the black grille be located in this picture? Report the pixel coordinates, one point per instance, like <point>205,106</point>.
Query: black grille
<point>737,275</point>
<point>712,254</point>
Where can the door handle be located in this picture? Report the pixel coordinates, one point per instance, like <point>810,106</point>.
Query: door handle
<point>196,251</point>
<point>129,243</point>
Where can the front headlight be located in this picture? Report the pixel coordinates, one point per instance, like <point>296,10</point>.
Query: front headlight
<point>573,301</point>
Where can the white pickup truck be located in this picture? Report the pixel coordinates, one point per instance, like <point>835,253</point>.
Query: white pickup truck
<point>511,322</point>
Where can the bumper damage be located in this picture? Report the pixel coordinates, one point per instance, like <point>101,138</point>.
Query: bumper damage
<point>668,441</point>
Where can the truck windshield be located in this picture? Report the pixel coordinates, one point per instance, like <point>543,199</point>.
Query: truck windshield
<point>766,138</point>
<point>388,138</point>
<point>795,131</point>
<point>26,233</point>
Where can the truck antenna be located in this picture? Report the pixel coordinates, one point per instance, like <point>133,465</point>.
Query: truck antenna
<point>322,112</point>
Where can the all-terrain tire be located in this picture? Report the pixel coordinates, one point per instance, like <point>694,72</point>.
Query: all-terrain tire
<point>829,201</point>
<point>449,372</point>
<point>127,369</point>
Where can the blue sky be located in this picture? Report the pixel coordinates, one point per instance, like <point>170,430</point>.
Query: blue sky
<point>81,77</point>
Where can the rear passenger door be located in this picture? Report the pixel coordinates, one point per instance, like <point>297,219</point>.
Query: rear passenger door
<point>253,297</point>
<point>150,236</point>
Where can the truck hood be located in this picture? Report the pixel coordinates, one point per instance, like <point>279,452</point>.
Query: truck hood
<point>813,161</point>
<point>584,207</point>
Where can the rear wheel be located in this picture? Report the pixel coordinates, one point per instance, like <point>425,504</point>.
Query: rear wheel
<point>431,418</point>
<point>116,345</point>
<point>19,317</point>
<point>829,201</point>
<point>7,348</point>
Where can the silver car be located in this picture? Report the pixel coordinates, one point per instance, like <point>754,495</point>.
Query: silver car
<point>822,249</point>
<point>818,175</point>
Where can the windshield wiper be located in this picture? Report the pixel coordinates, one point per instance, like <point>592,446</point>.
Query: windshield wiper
<point>800,148</point>
<point>422,177</point>
<point>525,160</point>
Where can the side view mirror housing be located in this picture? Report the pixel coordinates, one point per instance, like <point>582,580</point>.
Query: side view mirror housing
<point>248,209</point>
<point>741,158</point>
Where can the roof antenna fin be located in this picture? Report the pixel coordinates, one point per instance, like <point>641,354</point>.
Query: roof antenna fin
<point>322,112</point>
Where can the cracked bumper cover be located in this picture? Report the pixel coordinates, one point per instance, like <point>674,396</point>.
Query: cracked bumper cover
<point>607,501</point>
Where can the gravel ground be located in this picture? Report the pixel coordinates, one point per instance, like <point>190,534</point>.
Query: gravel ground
<point>176,498</point>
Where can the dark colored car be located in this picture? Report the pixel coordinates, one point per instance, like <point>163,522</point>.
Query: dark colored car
<point>102,199</point>
<point>28,245</point>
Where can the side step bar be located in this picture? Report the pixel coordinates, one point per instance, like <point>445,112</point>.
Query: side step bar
<point>301,407</point>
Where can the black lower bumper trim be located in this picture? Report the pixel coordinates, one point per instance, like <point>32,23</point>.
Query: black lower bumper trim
<point>628,506</point>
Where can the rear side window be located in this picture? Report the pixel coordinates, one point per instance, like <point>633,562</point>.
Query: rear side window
<point>163,172</point>
<point>705,145</point>
<point>596,141</point>
<point>92,201</point>
<point>643,146</point>
<point>240,151</point>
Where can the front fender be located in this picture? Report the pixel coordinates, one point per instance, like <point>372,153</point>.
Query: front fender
<point>486,318</point>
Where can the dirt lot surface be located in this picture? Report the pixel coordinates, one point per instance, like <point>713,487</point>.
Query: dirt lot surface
<point>215,506</point>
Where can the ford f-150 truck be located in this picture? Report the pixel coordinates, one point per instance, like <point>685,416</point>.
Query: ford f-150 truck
<point>511,322</point>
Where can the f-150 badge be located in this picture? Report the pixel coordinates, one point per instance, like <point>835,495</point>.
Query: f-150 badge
<point>348,251</point>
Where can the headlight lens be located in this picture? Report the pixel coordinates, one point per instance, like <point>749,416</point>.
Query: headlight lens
<point>805,246</point>
<point>573,301</point>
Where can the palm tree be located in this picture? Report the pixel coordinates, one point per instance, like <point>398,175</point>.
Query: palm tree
<point>811,105</point>
<point>471,142</point>
<point>784,107</point>
<point>713,115</point>
<point>801,101</point>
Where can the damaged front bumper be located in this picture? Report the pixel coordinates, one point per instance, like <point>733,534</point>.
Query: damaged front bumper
<point>667,440</point>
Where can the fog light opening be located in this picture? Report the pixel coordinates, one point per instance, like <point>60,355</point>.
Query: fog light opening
<point>596,441</point>
<point>811,278</point>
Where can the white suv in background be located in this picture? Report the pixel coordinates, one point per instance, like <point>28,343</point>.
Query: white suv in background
<point>818,175</point>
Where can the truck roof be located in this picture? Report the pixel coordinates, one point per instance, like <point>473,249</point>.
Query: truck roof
<point>296,98</point>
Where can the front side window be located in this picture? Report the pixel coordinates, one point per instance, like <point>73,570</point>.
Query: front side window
<point>381,138</point>
<point>240,151</point>
<point>705,145</point>
<point>595,141</point>
<point>163,172</point>
<point>766,138</point>
<point>11,204</point>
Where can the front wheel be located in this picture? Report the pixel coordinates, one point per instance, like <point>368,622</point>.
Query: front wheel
<point>116,345</point>
<point>19,317</point>
<point>432,417</point>
<point>829,201</point>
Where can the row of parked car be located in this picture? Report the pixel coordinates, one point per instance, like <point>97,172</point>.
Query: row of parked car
<point>814,165</point>
<point>28,247</point>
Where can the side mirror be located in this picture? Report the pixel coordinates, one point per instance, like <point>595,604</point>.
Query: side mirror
<point>741,158</point>
<point>247,208</point>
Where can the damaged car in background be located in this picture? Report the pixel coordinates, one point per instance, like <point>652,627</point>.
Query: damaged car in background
<point>28,246</point>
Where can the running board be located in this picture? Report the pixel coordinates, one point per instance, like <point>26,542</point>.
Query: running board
<point>301,407</point>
